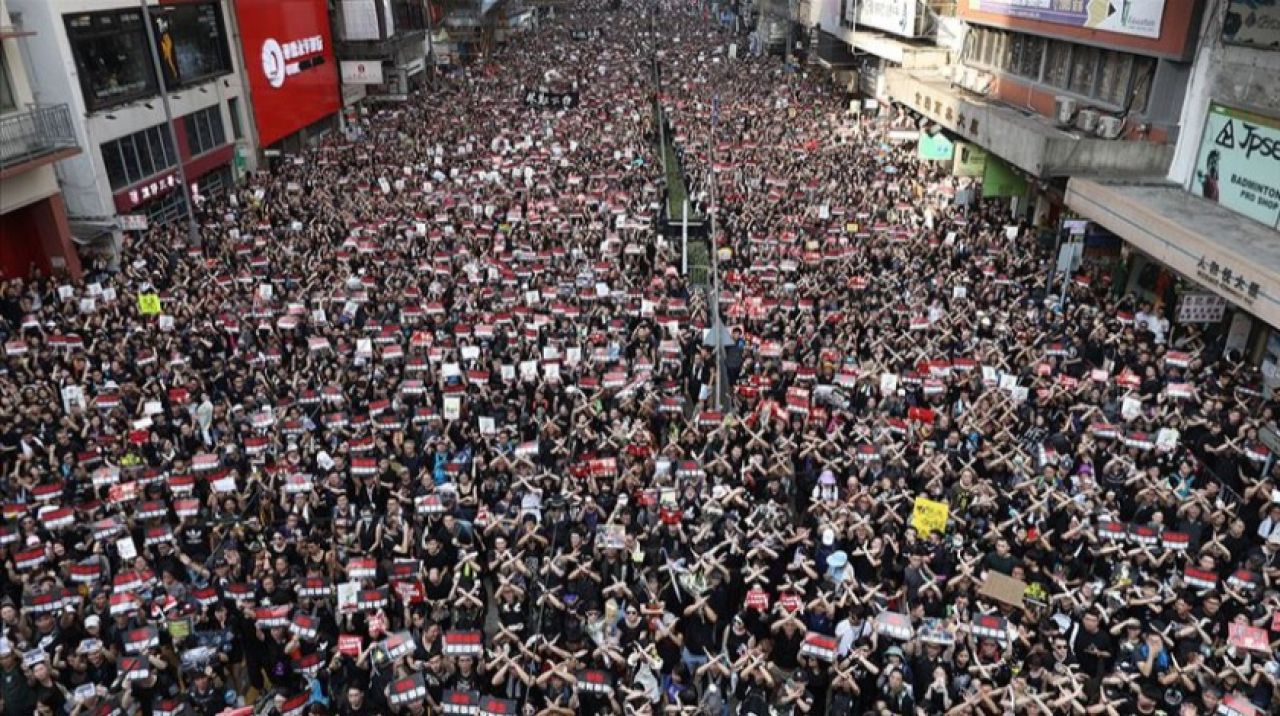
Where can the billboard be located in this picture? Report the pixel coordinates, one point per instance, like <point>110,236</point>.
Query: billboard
<point>362,72</point>
<point>970,160</point>
<point>1239,164</point>
<point>935,147</point>
<point>896,16</point>
<point>1253,24</point>
<point>1140,18</point>
<point>288,55</point>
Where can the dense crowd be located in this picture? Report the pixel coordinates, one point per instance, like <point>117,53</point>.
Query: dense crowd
<point>427,425</point>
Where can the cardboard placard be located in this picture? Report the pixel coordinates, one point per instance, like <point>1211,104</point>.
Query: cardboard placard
<point>1004,589</point>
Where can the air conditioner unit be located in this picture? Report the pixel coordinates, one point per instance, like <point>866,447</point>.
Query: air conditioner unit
<point>1064,109</point>
<point>1109,127</point>
<point>1086,120</point>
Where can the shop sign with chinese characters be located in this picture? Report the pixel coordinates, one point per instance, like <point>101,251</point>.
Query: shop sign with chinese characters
<point>1201,308</point>
<point>1224,278</point>
<point>952,113</point>
<point>146,191</point>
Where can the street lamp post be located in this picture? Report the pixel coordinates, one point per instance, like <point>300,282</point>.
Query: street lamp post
<point>193,231</point>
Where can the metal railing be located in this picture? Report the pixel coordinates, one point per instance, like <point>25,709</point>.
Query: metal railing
<point>37,132</point>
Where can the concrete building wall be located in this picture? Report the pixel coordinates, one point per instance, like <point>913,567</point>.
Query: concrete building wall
<point>54,79</point>
<point>27,187</point>
<point>34,233</point>
<point>40,182</point>
<point>1230,75</point>
<point>1177,25</point>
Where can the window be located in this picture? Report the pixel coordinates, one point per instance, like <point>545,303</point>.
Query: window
<point>1028,52</point>
<point>1113,77</point>
<point>233,107</point>
<point>1140,80</point>
<point>1001,51</point>
<point>1057,64</point>
<point>131,159</point>
<point>111,56</point>
<point>1084,70</point>
<point>169,207</point>
<point>191,43</point>
<point>987,43</point>
<point>204,130</point>
<point>987,47</point>
<point>7,101</point>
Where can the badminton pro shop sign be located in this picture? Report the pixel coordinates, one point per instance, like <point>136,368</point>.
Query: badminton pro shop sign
<point>1239,164</point>
<point>288,55</point>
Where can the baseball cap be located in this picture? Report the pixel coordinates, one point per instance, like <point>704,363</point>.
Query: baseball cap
<point>92,621</point>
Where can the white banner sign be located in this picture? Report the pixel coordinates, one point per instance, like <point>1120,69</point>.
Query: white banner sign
<point>362,72</point>
<point>896,16</point>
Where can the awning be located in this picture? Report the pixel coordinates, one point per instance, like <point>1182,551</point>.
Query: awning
<point>91,232</point>
<point>1231,255</point>
<point>895,50</point>
<point>833,52</point>
<point>1029,141</point>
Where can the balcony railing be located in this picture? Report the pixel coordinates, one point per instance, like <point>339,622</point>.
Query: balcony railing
<point>35,133</point>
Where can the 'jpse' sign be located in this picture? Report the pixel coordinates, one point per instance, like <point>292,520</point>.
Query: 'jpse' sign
<point>554,100</point>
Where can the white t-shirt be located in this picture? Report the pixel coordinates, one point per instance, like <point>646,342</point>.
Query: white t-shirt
<point>848,634</point>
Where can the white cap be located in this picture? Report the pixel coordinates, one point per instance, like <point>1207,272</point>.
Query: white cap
<point>6,648</point>
<point>828,537</point>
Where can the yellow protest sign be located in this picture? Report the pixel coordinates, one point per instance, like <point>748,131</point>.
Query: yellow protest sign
<point>149,304</point>
<point>929,516</point>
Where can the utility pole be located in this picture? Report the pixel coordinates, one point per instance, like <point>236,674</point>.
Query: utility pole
<point>657,86</point>
<point>431,47</point>
<point>717,329</point>
<point>786,24</point>
<point>684,238</point>
<point>193,231</point>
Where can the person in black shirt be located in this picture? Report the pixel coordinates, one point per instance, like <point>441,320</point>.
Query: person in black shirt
<point>354,703</point>
<point>1093,647</point>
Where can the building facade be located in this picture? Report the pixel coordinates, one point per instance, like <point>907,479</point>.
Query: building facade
<point>34,231</point>
<point>383,46</point>
<point>1054,94</point>
<point>94,57</point>
<point>1210,226</point>
<point>1155,121</point>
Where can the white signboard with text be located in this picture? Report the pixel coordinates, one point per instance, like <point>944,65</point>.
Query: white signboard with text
<point>362,72</point>
<point>1239,164</point>
<point>901,17</point>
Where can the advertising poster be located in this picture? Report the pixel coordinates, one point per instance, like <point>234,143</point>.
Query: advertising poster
<point>1140,18</point>
<point>1253,23</point>
<point>970,160</point>
<point>1239,164</point>
<point>362,72</point>
<point>935,147</point>
<point>288,55</point>
<point>896,16</point>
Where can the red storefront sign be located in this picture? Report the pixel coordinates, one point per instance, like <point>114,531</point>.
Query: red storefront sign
<point>163,183</point>
<point>155,187</point>
<point>288,55</point>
